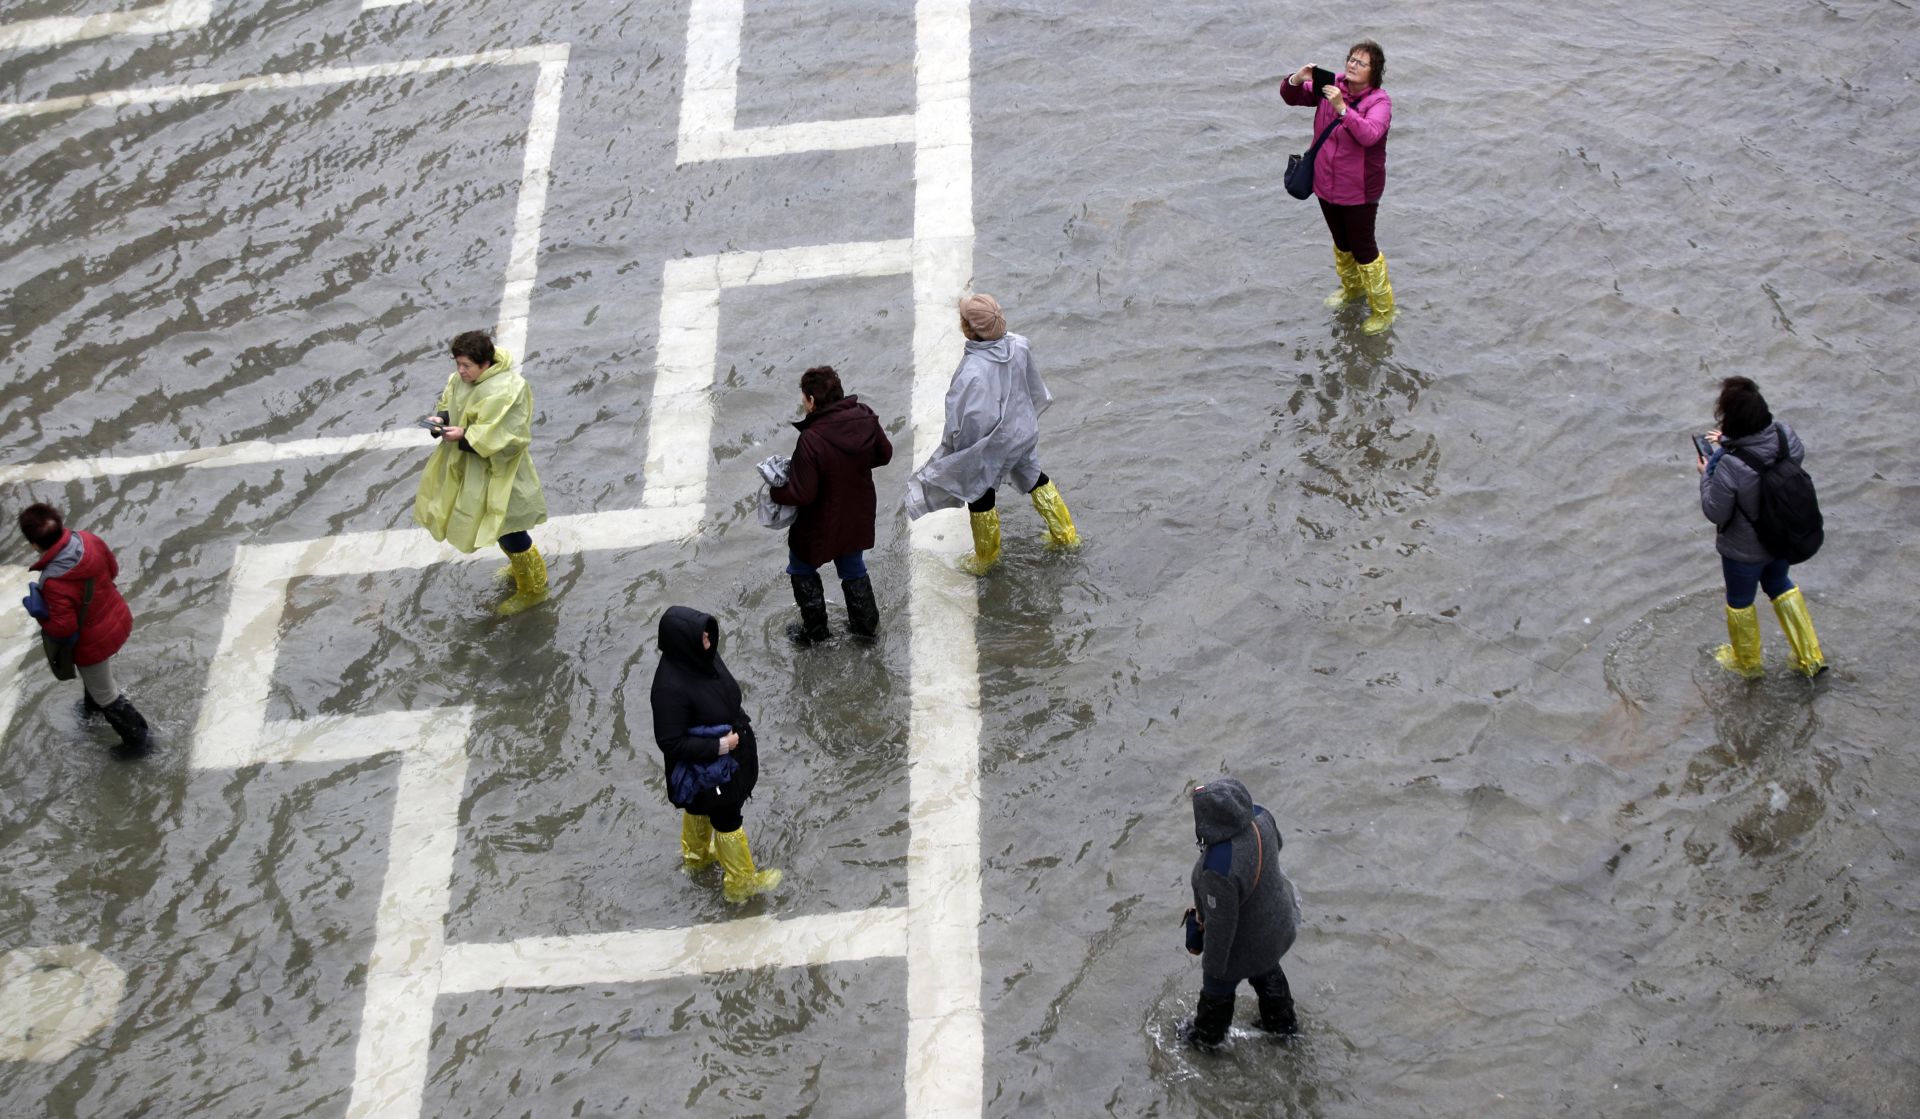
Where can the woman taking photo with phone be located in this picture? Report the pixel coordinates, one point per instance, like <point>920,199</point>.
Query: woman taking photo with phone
<point>1350,173</point>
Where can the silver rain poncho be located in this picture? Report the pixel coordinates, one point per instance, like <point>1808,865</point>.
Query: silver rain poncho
<point>992,430</point>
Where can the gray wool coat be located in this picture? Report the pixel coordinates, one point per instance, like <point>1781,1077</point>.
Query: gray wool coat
<point>1244,900</point>
<point>1730,492</point>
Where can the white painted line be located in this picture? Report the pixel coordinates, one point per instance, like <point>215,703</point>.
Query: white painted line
<point>646,955</point>
<point>522,257</point>
<point>946,1049</point>
<point>370,5</point>
<point>680,422</point>
<point>160,19</point>
<point>305,79</point>
<point>710,100</point>
<point>19,643</point>
<point>229,454</point>
<point>233,729</point>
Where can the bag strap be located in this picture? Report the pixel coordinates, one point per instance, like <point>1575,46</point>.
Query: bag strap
<point>1324,133</point>
<point>1259,855</point>
<point>80,621</point>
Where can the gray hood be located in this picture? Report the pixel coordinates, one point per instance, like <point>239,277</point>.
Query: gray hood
<point>1222,809</point>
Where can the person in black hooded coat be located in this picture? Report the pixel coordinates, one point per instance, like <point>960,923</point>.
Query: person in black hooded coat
<point>1245,913</point>
<point>693,698</point>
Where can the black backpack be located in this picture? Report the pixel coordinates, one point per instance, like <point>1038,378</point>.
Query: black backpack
<point>1788,519</point>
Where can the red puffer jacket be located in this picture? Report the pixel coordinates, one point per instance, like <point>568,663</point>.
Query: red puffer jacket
<point>108,619</point>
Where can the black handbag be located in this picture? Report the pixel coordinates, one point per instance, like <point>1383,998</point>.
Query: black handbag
<point>60,653</point>
<point>1300,167</point>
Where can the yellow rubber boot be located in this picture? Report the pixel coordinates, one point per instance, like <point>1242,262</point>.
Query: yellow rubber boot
<point>529,582</point>
<point>1352,288</point>
<point>740,880</point>
<point>1791,609</point>
<point>1742,655</point>
<point>696,843</point>
<point>986,543</point>
<point>1053,510</point>
<point>1379,296</point>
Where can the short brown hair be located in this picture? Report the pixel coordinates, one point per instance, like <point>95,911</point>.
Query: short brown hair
<point>475,345</point>
<point>1376,61</point>
<point>42,525</point>
<point>822,384</point>
<point>1741,410</point>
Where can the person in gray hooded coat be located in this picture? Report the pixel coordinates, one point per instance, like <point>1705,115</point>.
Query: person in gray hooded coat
<point>1245,912</point>
<point>992,432</point>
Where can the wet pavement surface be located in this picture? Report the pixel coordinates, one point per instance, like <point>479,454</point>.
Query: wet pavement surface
<point>1442,598</point>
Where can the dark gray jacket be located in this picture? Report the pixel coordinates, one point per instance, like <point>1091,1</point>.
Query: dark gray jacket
<point>1730,492</point>
<point>1245,901</point>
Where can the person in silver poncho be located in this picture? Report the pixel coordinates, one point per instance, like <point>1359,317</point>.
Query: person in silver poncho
<point>992,432</point>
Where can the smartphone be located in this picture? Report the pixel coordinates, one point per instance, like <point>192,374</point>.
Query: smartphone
<point>1702,448</point>
<point>1322,77</point>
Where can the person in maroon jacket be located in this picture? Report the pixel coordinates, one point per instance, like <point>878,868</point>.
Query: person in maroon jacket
<point>77,604</point>
<point>831,481</point>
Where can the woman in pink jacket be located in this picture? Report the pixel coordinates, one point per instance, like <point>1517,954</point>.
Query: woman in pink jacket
<point>1350,173</point>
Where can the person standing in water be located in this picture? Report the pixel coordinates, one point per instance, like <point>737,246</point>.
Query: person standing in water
<point>479,484</point>
<point>1245,913</point>
<point>1350,173</point>
<point>992,432</point>
<point>79,608</point>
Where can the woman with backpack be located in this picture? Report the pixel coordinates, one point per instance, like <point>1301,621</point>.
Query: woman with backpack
<point>1749,445</point>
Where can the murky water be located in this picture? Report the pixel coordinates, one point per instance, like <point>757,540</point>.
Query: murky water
<point>1441,598</point>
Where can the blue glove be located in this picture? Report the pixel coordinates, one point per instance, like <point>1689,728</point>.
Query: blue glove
<point>1196,933</point>
<point>719,730</point>
<point>36,605</point>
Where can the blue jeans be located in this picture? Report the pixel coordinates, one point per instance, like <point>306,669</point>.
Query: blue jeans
<point>853,565</point>
<point>1743,578</point>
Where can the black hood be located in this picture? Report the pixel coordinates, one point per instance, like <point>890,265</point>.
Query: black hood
<point>680,629</point>
<point>1222,809</point>
<point>849,426</point>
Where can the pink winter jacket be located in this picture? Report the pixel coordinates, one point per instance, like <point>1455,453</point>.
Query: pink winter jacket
<point>1351,169</point>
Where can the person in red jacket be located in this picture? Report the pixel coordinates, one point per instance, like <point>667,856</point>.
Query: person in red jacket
<point>831,480</point>
<point>77,604</point>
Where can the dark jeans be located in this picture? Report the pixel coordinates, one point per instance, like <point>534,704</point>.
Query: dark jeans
<point>1272,983</point>
<point>986,499</point>
<point>1352,229</point>
<point>853,565</point>
<point>513,543</point>
<point>1743,578</point>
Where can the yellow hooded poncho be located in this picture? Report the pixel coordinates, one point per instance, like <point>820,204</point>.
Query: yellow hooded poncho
<point>470,500</point>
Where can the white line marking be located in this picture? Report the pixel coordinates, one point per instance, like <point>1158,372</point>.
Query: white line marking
<point>160,19</point>
<point>645,955</point>
<point>680,423</point>
<point>709,102</point>
<point>17,630</point>
<point>229,454</point>
<point>946,1047</point>
<point>522,256</point>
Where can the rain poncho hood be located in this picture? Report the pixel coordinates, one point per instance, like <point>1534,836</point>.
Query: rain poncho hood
<point>992,429</point>
<point>472,498</point>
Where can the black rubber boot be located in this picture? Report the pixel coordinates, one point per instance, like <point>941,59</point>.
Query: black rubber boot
<point>88,708</point>
<point>1208,1029</point>
<point>863,613</point>
<point>812,600</point>
<point>130,726</point>
<point>1276,1003</point>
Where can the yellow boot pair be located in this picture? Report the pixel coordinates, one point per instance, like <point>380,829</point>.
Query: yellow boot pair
<point>1742,653</point>
<point>1352,288</point>
<point>529,581</point>
<point>740,880</point>
<point>696,844</point>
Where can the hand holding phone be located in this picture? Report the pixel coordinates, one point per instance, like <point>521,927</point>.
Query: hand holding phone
<point>1322,78</point>
<point>1702,448</point>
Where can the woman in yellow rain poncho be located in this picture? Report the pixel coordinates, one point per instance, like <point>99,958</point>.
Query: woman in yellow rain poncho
<point>480,484</point>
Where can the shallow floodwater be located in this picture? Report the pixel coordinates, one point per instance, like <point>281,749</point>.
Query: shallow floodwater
<point>1442,598</point>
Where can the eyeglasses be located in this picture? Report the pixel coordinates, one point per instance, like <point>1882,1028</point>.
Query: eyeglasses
<point>1359,60</point>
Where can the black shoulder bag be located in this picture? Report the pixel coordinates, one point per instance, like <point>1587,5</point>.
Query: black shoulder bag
<point>1300,167</point>
<point>60,653</point>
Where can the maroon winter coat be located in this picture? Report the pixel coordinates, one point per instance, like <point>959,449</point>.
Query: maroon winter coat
<point>108,619</point>
<point>831,480</point>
